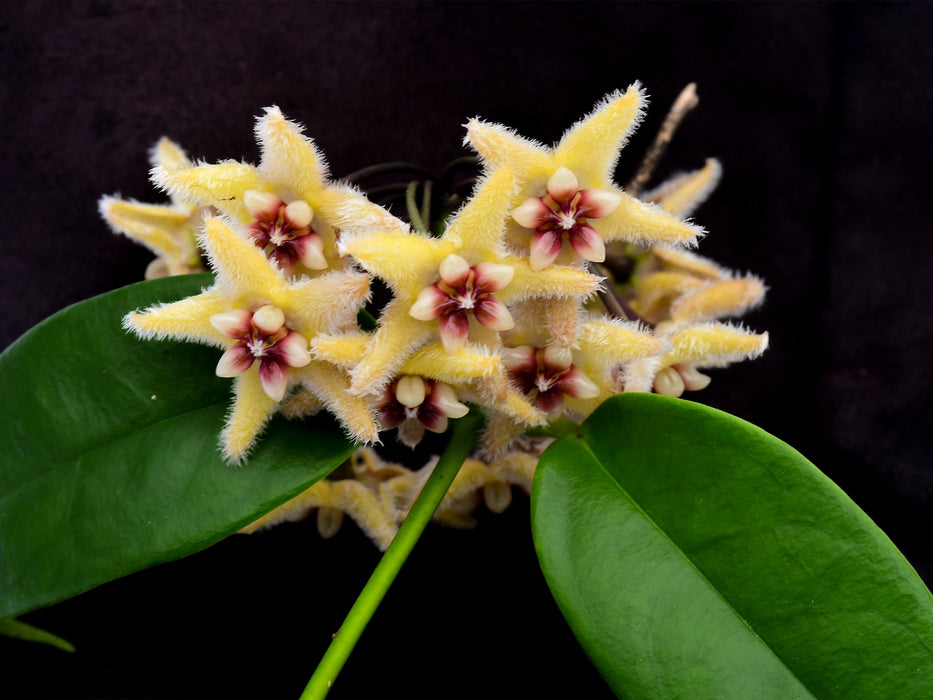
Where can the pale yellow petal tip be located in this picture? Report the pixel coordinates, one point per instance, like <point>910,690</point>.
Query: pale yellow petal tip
<point>715,345</point>
<point>720,299</point>
<point>169,154</point>
<point>682,194</point>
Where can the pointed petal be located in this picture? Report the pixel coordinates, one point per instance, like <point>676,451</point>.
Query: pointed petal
<point>293,349</point>
<point>274,377</point>
<point>169,154</point>
<point>605,343</point>
<point>715,345</point>
<point>587,243</point>
<point>324,304</point>
<point>531,213</point>
<point>596,203</point>
<point>343,350</point>
<point>480,223</point>
<point>240,266</point>
<point>331,386</point>
<point>187,319</point>
<point>406,262</point>
<point>234,362</point>
<point>396,339</point>
<point>690,262</point>
<point>545,247</point>
<point>497,495</point>
<point>556,281</point>
<point>429,304</point>
<point>646,224</point>
<point>454,270</point>
<point>682,195</point>
<point>493,314</point>
<point>252,408</point>
<point>454,329</point>
<point>593,144</point>
<point>221,186</point>
<point>289,158</point>
<point>471,362</point>
<point>562,185</point>
<point>233,324</point>
<point>718,300</point>
<point>500,146</point>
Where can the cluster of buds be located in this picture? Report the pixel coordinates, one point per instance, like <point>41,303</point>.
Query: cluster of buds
<point>495,310</point>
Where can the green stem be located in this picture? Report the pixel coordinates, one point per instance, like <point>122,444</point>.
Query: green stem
<point>414,214</point>
<point>462,439</point>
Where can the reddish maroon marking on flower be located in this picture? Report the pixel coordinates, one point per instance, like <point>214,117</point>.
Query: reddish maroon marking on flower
<point>462,290</point>
<point>548,375</point>
<point>413,403</point>
<point>562,213</point>
<point>284,231</point>
<point>261,336</point>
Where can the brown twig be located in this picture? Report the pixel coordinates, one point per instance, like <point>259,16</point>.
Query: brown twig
<point>685,102</point>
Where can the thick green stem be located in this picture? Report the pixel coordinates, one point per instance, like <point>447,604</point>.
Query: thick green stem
<point>463,437</point>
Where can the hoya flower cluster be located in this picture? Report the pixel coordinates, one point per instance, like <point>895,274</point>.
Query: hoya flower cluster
<point>550,289</point>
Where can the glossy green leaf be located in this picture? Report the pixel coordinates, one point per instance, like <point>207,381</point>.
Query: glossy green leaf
<point>110,461</point>
<point>11,627</point>
<point>696,556</point>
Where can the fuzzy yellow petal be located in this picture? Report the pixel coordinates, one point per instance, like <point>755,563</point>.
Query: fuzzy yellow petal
<point>220,185</point>
<point>240,266</point>
<point>251,410</point>
<point>289,158</point>
<point>331,384</point>
<point>162,229</point>
<point>642,223</point>
<point>555,281</point>
<point>681,195</point>
<point>303,403</point>
<point>399,335</point>
<point>187,319</point>
<point>610,342</point>
<point>500,432</point>
<point>714,345</point>
<point>324,304</point>
<point>468,363</point>
<point>500,147</point>
<point>592,145</point>
<point>686,261</point>
<point>718,300</point>
<point>481,223</point>
<point>344,350</point>
<point>169,154</point>
<point>407,262</point>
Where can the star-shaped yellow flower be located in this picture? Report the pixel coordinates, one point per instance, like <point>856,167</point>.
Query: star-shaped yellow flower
<point>264,324</point>
<point>456,287</point>
<point>168,230</point>
<point>288,205</point>
<point>566,192</point>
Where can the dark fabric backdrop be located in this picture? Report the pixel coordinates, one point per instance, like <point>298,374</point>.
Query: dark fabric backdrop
<point>820,114</point>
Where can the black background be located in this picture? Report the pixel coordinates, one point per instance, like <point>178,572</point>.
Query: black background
<point>820,114</point>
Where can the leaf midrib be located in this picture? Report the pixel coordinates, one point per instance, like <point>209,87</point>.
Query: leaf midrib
<point>693,565</point>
